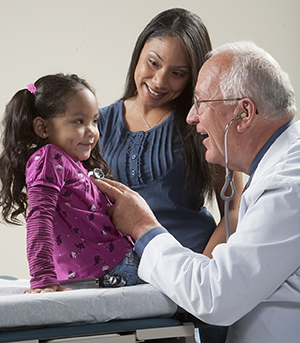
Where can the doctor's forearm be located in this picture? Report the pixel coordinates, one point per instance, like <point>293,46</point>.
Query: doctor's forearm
<point>219,235</point>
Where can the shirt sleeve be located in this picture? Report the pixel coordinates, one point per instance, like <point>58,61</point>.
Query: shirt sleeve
<point>146,238</point>
<point>42,206</point>
<point>47,167</point>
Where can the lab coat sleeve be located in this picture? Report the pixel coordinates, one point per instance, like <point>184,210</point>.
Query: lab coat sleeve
<point>246,271</point>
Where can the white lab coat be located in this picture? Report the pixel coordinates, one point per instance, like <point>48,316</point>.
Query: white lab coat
<point>253,282</point>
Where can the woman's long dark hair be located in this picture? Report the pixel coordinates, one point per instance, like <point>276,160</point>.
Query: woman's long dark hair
<point>19,140</point>
<point>191,32</point>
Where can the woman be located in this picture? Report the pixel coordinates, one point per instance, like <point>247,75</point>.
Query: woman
<point>148,144</point>
<point>145,137</point>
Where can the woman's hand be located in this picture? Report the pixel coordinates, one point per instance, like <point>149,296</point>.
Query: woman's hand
<point>53,288</point>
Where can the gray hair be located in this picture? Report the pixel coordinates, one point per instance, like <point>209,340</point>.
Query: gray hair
<point>256,74</point>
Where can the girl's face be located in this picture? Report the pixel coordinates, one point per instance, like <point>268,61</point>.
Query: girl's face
<point>76,131</point>
<point>162,72</point>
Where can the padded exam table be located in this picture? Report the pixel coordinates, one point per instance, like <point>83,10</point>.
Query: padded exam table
<point>106,315</point>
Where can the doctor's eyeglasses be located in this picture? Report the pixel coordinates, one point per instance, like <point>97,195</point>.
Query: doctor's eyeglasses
<point>198,102</point>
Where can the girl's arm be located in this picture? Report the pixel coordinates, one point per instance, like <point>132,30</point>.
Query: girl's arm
<point>219,235</point>
<point>42,206</point>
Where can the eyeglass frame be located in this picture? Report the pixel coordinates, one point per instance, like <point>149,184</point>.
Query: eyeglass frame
<point>196,101</point>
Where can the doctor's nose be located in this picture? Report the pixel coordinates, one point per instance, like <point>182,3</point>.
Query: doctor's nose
<point>193,117</point>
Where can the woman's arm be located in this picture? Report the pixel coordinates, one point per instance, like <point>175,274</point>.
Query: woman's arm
<point>219,235</point>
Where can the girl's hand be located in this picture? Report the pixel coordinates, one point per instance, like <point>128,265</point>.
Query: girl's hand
<point>53,288</point>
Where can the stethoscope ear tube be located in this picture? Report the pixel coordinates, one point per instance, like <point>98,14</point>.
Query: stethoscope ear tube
<point>228,182</point>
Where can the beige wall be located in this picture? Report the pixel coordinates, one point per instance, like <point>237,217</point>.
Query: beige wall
<point>95,38</point>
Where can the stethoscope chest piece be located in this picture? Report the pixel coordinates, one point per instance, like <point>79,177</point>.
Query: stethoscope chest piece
<point>97,173</point>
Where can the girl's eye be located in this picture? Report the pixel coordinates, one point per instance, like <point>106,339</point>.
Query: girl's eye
<point>78,121</point>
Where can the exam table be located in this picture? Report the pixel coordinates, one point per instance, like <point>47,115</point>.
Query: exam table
<point>106,315</point>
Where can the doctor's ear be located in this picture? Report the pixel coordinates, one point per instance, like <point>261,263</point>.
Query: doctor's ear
<point>244,122</point>
<point>40,127</point>
<point>247,113</point>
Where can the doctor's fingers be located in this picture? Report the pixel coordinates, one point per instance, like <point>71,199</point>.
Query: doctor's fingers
<point>131,215</point>
<point>112,189</point>
<point>118,185</point>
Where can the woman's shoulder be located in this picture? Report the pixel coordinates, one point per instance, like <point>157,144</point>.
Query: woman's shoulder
<point>112,109</point>
<point>110,117</point>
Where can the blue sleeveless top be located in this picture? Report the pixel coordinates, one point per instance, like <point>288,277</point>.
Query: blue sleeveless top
<point>151,163</point>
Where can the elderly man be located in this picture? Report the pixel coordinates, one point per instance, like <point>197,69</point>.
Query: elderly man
<point>252,283</point>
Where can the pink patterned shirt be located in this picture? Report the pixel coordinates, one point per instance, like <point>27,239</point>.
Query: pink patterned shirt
<point>69,234</point>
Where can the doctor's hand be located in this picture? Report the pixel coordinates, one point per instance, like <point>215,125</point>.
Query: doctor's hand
<point>129,213</point>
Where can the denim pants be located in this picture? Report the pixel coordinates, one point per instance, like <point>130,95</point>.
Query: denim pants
<point>127,270</point>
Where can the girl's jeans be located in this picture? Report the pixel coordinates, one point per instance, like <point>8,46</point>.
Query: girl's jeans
<point>125,271</point>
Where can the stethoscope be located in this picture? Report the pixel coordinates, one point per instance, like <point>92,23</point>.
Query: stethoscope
<point>228,178</point>
<point>97,173</point>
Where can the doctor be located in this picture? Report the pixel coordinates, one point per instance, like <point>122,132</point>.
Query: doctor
<point>252,283</point>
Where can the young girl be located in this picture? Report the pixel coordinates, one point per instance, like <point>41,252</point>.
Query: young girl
<point>49,128</point>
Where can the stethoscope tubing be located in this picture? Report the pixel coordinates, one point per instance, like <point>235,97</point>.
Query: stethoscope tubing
<point>229,181</point>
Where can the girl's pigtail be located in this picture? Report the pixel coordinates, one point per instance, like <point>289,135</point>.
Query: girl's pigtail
<point>17,141</point>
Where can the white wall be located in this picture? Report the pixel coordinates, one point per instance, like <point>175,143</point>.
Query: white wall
<point>95,38</point>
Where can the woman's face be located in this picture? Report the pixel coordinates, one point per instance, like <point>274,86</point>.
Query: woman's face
<point>162,72</point>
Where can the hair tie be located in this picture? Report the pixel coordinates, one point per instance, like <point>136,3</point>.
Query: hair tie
<point>31,87</point>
